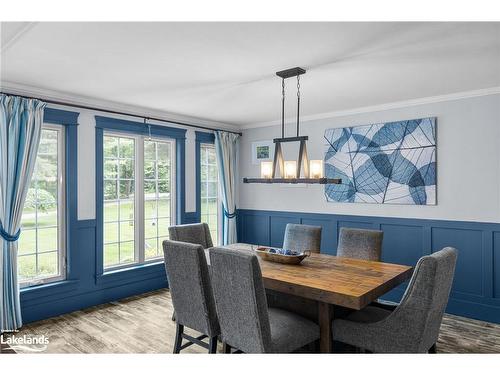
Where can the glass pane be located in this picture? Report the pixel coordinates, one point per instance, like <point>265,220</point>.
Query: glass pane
<point>127,148</point>
<point>126,169</point>
<point>47,239</point>
<point>127,189</point>
<point>110,232</point>
<point>110,145</point>
<point>150,209</point>
<point>111,211</point>
<point>163,225</point>
<point>212,159</point>
<point>149,169</point>
<point>149,150</point>
<point>126,252</point>
<point>47,264</point>
<point>110,192</point>
<point>212,190</point>
<point>110,254</point>
<point>150,249</point>
<point>28,219</point>
<point>163,171</point>
<point>26,266</point>
<point>164,208</point>
<point>150,189</point>
<point>127,210</point>
<point>164,151</point>
<point>27,242</point>
<point>150,228</point>
<point>47,218</point>
<point>48,142</point>
<point>126,231</point>
<point>212,173</point>
<point>163,189</point>
<point>110,169</point>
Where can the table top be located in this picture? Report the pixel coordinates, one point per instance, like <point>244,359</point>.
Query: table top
<point>348,282</point>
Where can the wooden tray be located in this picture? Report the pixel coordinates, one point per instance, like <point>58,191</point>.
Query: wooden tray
<point>265,254</point>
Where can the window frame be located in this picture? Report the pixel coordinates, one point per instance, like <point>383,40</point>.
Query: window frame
<point>62,227</point>
<point>139,201</point>
<point>108,276</point>
<point>207,138</point>
<point>218,197</point>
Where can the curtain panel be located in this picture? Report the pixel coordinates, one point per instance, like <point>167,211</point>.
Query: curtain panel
<point>20,129</point>
<point>226,148</point>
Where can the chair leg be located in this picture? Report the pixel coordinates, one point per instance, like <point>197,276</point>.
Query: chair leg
<point>178,338</point>
<point>433,349</point>
<point>226,348</point>
<point>212,346</point>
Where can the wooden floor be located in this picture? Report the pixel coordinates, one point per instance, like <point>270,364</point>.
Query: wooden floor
<point>142,324</point>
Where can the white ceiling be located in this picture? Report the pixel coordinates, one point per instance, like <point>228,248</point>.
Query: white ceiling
<point>225,71</point>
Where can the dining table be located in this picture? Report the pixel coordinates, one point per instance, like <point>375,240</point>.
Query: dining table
<point>332,282</point>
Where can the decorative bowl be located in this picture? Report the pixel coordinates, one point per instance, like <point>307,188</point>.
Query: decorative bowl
<point>276,255</point>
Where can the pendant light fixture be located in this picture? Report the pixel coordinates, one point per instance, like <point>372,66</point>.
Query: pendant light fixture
<point>290,171</point>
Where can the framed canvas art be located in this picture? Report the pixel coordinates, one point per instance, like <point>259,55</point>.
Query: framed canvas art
<point>386,163</point>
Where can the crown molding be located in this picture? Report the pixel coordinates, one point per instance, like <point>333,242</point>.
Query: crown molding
<point>19,89</point>
<point>381,107</point>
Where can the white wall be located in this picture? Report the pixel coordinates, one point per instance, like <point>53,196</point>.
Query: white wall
<point>86,161</point>
<point>468,164</point>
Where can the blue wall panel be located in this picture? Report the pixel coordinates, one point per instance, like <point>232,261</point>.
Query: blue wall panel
<point>328,234</point>
<point>476,288</point>
<point>468,272</point>
<point>278,225</point>
<point>496,265</point>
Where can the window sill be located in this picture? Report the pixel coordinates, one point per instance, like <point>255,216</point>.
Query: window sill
<point>131,274</point>
<point>30,293</point>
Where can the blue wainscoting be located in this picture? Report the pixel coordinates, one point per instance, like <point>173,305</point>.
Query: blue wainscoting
<point>476,288</point>
<point>85,288</point>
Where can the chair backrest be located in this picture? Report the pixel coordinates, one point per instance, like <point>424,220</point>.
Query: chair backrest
<point>422,307</point>
<point>240,299</point>
<point>360,243</point>
<point>190,286</point>
<point>198,233</point>
<point>301,237</point>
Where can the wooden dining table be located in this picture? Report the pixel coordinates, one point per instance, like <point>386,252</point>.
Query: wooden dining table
<point>331,281</point>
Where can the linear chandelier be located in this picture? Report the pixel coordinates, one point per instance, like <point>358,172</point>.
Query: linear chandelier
<point>290,171</point>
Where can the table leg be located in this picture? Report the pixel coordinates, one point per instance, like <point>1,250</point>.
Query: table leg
<point>325,316</point>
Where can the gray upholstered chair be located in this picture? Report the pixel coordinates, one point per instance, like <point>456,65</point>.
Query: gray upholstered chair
<point>301,237</point>
<point>360,243</point>
<point>198,233</point>
<point>247,324</point>
<point>413,327</point>
<point>192,296</point>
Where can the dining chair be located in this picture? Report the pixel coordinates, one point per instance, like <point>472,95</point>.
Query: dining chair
<point>246,322</point>
<point>301,237</point>
<point>360,243</point>
<point>191,292</point>
<point>413,326</point>
<point>198,233</point>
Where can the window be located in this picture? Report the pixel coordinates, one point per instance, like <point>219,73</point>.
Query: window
<point>138,198</point>
<point>41,246</point>
<point>210,205</point>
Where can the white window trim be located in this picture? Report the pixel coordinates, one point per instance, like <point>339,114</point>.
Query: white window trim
<point>139,232</point>
<point>61,209</point>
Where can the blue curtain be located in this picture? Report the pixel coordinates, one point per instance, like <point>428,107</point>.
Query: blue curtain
<point>20,128</point>
<point>226,148</point>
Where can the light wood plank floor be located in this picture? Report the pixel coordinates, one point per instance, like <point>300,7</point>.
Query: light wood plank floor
<point>142,324</point>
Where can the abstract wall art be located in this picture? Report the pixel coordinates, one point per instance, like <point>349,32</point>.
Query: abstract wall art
<point>389,163</point>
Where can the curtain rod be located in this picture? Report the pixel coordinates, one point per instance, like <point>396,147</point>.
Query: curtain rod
<point>121,113</point>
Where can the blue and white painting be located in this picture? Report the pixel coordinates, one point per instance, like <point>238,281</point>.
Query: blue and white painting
<point>392,162</point>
